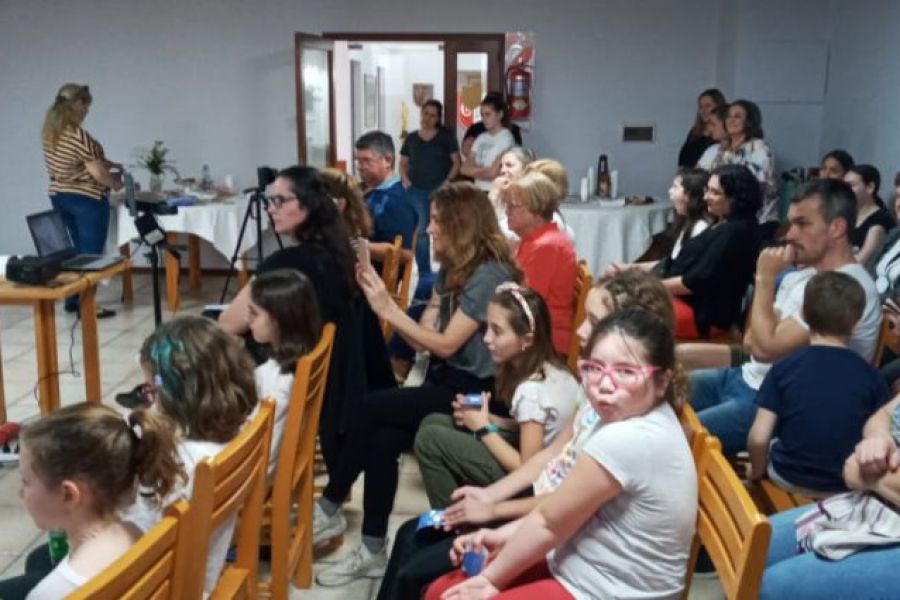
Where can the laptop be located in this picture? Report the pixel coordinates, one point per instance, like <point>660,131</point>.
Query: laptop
<point>51,238</point>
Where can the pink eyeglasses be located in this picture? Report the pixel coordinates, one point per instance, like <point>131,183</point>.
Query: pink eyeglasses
<point>620,374</point>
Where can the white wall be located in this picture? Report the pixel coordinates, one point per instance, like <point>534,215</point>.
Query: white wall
<point>215,78</point>
<point>861,104</point>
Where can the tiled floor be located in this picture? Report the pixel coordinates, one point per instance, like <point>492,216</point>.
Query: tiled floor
<point>120,340</point>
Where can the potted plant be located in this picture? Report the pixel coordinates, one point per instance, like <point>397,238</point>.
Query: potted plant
<point>156,163</point>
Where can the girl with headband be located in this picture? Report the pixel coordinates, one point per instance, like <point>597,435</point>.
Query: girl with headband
<point>475,447</point>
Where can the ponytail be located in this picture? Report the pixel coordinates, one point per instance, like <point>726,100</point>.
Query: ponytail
<point>93,444</point>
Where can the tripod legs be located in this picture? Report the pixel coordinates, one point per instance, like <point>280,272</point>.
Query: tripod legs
<point>255,210</point>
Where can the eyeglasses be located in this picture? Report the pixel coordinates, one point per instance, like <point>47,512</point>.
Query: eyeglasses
<point>624,375</point>
<point>277,201</point>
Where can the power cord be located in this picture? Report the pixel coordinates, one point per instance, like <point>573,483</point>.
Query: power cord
<point>71,370</point>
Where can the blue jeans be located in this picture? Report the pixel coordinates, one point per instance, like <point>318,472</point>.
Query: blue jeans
<point>866,574</point>
<point>87,220</point>
<point>725,404</point>
<point>419,199</point>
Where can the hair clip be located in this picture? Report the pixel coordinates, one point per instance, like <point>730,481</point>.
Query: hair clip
<point>516,290</point>
<point>135,428</point>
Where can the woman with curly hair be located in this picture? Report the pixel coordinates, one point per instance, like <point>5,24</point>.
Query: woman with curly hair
<point>475,259</point>
<point>711,273</point>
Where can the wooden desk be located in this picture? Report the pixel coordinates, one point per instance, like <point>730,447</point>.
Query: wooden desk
<point>43,299</point>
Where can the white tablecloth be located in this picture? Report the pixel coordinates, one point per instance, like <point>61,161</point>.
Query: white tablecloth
<point>219,223</point>
<point>605,235</point>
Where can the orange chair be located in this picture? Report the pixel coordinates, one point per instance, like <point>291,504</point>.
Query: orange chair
<point>771,499</point>
<point>390,267</point>
<point>730,527</point>
<point>582,286</point>
<point>292,490</point>
<point>152,567</point>
<point>694,430</point>
<point>232,482</point>
<point>397,285</point>
<point>407,260</point>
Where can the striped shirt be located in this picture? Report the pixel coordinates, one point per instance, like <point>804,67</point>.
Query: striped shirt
<point>66,163</point>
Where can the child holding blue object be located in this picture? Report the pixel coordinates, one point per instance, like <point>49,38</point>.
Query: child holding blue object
<point>815,401</point>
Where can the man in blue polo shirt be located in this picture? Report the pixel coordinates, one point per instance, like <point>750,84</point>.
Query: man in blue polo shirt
<point>391,213</point>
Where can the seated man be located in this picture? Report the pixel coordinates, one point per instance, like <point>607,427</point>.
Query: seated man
<point>815,401</point>
<point>392,214</point>
<point>820,215</point>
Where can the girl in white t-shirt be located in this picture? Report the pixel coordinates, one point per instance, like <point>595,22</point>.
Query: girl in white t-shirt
<point>474,446</point>
<point>621,523</point>
<point>283,315</point>
<point>78,465</point>
<point>483,162</point>
<point>202,379</point>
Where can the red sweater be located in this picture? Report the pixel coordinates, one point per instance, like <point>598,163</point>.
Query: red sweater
<point>547,257</point>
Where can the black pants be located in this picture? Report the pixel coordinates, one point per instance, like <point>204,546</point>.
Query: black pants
<point>386,427</point>
<point>418,558</point>
<point>37,566</point>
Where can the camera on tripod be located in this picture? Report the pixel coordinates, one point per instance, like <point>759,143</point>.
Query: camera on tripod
<point>264,177</point>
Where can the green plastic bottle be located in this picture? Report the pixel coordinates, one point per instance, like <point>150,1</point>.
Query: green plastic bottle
<point>58,544</point>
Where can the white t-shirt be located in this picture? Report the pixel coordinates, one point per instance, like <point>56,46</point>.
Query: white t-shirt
<point>637,544</point>
<point>487,147</point>
<point>698,228</point>
<point>559,466</point>
<point>789,305</point>
<point>549,401</point>
<point>272,383</point>
<point>59,583</point>
<point>145,512</point>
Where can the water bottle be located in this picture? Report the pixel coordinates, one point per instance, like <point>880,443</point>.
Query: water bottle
<point>58,545</point>
<point>205,179</point>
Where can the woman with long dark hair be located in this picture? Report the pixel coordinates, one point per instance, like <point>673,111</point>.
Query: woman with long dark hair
<point>873,221</point>
<point>300,206</point>
<point>702,134</point>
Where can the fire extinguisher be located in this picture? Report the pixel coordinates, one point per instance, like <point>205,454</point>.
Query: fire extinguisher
<point>518,92</point>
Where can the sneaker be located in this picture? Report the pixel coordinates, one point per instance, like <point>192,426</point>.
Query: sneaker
<point>325,527</point>
<point>359,563</point>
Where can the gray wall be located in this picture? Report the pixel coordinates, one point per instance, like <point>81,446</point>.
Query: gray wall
<point>214,78</point>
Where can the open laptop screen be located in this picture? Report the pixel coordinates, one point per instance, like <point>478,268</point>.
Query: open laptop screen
<point>49,233</point>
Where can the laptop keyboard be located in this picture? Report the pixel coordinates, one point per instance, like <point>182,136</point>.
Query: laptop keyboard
<point>79,261</point>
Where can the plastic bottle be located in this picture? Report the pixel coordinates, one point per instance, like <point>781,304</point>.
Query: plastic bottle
<point>58,545</point>
<point>205,179</point>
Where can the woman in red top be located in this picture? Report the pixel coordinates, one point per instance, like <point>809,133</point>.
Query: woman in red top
<point>545,254</point>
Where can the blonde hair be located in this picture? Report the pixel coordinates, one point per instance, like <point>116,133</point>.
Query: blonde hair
<point>470,232</point>
<point>554,170</point>
<point>356,215</point>
<point>537,192</point>
<point>205,377</point>
<point>63,113</point>
<point>94,444</point>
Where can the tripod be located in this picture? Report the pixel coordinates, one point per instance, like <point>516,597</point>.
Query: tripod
<point>255,207</point>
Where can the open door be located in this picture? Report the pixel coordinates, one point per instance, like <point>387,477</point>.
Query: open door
<point>314,60</point>
<point>473,66</point>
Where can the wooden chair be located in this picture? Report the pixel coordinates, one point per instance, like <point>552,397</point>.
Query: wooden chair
<point>888,338</point>
<point>151,568</point>
<point>407,260</point>
<point>582,286</point>
<point>694,430</point>
<point>233,481</point>
<point>292,490</point>
<point>772,499</point>
<point>390,267</point>
<point>730,527</point>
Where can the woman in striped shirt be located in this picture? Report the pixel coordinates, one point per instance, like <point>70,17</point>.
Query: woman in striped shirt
<point>80,174</point>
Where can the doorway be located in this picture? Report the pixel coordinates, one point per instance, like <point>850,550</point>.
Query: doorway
<point>350,83</point>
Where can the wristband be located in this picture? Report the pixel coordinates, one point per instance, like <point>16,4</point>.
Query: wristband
<point>489,428</point>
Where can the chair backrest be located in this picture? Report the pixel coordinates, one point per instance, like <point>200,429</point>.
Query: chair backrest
<point>729,525</point>
<point>694,430</point>
<point>888,338</point>
<point>390,270</point>
<point>402,297</point>
<point>583,284</point>
<point>234,480</point>
<point>151,568</point>
<point>294,473</point>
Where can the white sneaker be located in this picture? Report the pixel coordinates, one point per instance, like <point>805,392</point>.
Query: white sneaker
<point>325,527</point>
<point>359,563</point>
